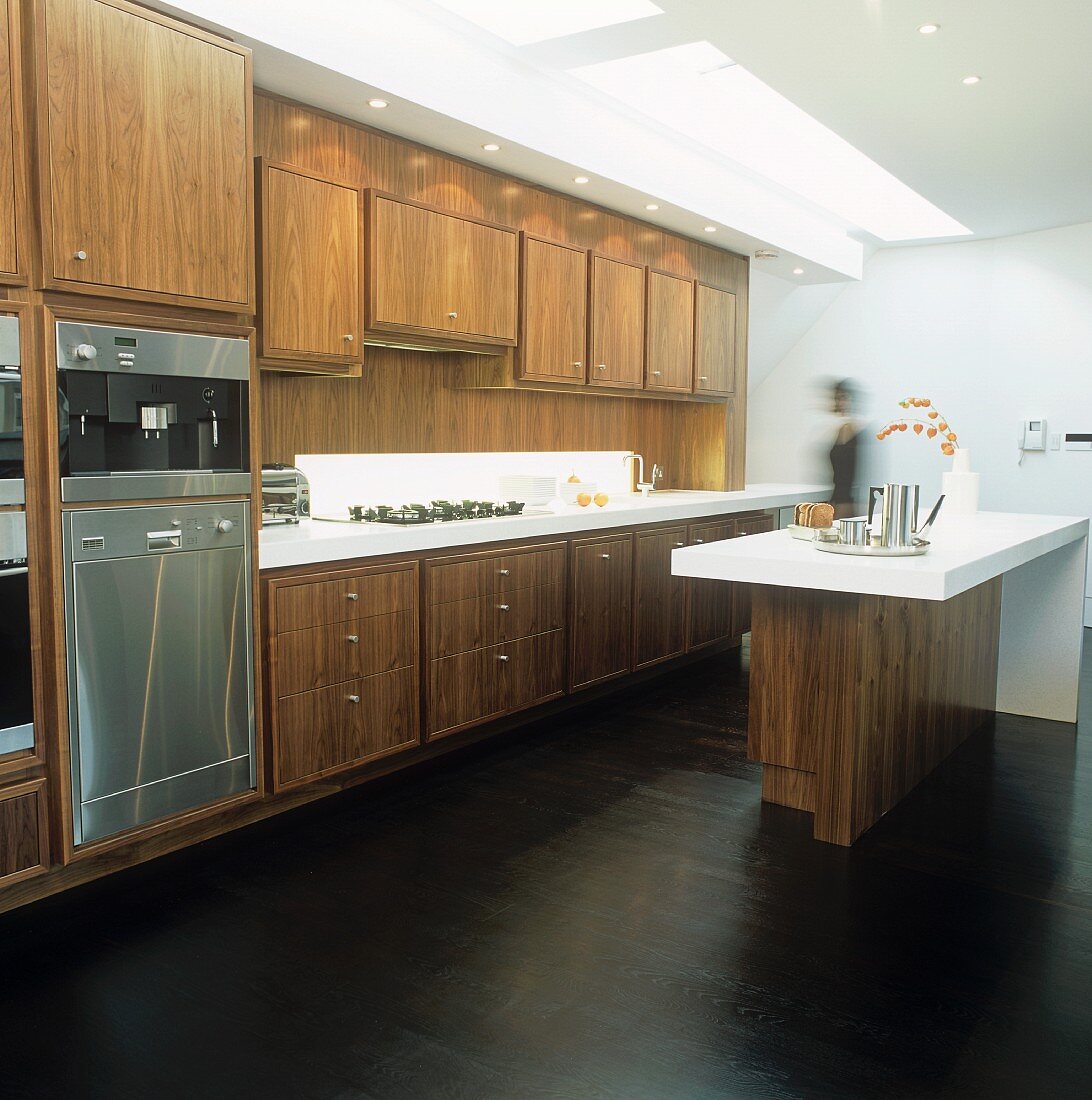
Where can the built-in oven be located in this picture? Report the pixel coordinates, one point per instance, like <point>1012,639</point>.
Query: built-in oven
<point>16,697</point>
<point>150,414</point>
<point>11,413</point>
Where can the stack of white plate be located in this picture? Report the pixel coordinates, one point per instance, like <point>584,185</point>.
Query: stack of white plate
<point>533,490</point>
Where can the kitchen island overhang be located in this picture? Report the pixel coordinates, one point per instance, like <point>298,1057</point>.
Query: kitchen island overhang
<point>867,673</point>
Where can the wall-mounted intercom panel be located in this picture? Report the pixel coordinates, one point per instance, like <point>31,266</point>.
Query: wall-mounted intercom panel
<point>1033,435</point>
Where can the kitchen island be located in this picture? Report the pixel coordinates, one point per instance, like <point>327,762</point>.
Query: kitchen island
<point>867,672</point>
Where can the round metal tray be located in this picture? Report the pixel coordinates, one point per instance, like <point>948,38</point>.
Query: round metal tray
<point>914,551</point>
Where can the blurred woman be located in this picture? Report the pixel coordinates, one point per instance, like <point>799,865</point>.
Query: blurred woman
<point>844,451</point>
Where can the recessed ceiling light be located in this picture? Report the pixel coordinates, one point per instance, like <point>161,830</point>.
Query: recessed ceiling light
<point>377,103</point>
<point>710,229</point>
<point>929,28</point>
<point>798,271</point>
<point>580,179</point>
<point>971,79</point>
<point>491,147</point>
<point>651,206</point>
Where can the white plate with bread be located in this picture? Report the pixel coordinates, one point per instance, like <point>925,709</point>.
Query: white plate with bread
<point>809,519</point>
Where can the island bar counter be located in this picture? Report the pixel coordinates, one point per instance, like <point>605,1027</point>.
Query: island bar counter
<point>867,673</point>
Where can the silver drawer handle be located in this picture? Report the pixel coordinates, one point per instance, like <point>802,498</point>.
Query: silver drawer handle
<point>504,572</point>
<point>502,657</point>
<point>602,366</point>
<point>503,607</point>
<point>657,373</point>
<point>352,595</point>
<point>683,543</point>
<point>578,364</point>
<point>605,557</point>
<point>453,314</point>
<point>704,378</point>
<point>354,698</point>
<point>80,255</point>
<point>352,639</point>
<point>349,337</point>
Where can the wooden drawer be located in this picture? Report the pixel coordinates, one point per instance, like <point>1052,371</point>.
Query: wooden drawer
<point>321,732</point>
<point>461,580</point>
<point>304,660</point>
<point>482,621</point>
<point>340,599</point>
<point>24,850</point>
<point>492,573</point>
<point>516,571</point>
<point>484,683</point>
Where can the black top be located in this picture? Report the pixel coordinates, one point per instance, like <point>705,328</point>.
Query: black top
<point>843,465</point>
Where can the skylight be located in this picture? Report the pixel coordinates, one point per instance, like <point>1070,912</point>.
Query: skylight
<point>698,91</point>
<point>522,22</point>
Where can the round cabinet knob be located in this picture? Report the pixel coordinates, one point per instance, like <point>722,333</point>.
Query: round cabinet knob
<point>353,639</point>
<point>605,557</point>
<point>453,314</point>
<point>503,607</point>
<point>704,378</point>
<point>352,595</point>
<point>504,572</point>
<point>578,364</point>
<point>225,526</point>
<point>503,657</point>
<point>680,544</point>
<point>698,542</point>
<point>354,698</point>
<point>602,366</point>
<point>79,255</point>
<point>657,373</point>
<point>349,337</point>
<point>86,351</point>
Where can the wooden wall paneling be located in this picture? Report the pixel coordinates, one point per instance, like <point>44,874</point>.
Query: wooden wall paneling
<point>24,840</point>
<point>14,211</point>
<point>404,401</point>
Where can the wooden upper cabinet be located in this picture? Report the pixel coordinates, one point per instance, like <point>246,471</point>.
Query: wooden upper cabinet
<point>669,364</point>
<point>311,264</point>
<point>616,323</point>
<point>715,352</point>
<point>145,156</point>
<point>438,278</point>
<point>553,304</point>
<point>11,150</point>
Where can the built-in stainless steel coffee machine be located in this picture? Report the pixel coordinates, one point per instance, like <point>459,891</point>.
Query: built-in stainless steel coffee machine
<point>157,595</point>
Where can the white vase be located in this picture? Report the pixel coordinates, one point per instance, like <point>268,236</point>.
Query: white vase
<point>960,486</point>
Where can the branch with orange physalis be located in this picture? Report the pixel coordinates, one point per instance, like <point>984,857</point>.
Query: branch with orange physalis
<point>936,424</point>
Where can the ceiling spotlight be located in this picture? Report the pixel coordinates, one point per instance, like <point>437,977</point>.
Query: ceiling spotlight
<point>491,147</point>
<point>580,179</point>
<point>651,206</point>
<point>798,271</point>
<point>929,28</point>
<point>971,79</point>
<point>710,229</point>
<point>378,104</point>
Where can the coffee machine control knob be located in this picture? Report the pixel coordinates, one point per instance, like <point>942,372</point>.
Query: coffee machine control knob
<point>224,526</point>
<point>86,351</point>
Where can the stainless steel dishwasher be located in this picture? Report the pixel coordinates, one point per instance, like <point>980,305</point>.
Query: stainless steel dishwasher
<point>160,661</point>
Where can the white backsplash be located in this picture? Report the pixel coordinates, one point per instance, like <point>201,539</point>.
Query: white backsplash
<point>338,481</point>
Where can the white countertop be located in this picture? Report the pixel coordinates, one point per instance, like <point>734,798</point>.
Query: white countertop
<point>318,541</point>
<point>965,552</point>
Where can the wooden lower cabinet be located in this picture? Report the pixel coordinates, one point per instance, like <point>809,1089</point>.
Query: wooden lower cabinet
<point>711,602</point>
<point>741,593</point>
<point>659,605</point>
<point>24,834</point>
<point>601,615</point>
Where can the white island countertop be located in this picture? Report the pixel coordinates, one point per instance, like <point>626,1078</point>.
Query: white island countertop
<point>320,541</point>
<point>965,552</point>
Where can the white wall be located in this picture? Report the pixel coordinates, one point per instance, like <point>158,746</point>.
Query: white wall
<point>993,331</point>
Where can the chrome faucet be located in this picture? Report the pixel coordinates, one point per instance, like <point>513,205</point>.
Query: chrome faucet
<point>644,487</point>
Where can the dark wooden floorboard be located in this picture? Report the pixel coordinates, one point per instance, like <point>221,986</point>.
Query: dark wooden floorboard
<point>597,906</point>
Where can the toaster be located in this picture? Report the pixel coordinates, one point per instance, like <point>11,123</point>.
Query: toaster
<point>286,495</point>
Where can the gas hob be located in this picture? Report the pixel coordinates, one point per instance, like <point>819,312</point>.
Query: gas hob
<point>436,511</point>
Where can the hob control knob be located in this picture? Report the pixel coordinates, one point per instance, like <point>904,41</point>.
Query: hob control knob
<point>224,526</point>
<point>87,351</point>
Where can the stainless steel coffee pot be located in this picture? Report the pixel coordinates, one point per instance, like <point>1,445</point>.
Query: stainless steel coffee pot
<point>898,508</point>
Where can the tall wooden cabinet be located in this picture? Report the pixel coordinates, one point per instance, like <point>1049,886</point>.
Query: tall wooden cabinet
<point>12,227</point>
<point>145,156</point>
<point>711,602</point>
<point>715,352</point>
<point>616,323</point>
<point>669,357</point>
<point>659,611</point>
<point>553,311</point>
<point>311,270</point>
<point>601,601</point>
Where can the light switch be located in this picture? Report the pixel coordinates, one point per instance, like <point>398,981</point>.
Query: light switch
<point>1055,441</point>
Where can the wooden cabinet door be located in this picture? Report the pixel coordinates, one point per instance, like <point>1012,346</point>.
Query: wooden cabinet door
<point>616,323</point>
<point>715,353</point>
<point>669,362</point>
<point>659,607</point>
<point>311,265</point>
<point>741,593</point>
<point>146,160</point>
<point>24,835</point>
<point>445,278</point>
<point>601,610</point>
<point>11,149</point>
<point>711,602</point>
<point>554,303</point>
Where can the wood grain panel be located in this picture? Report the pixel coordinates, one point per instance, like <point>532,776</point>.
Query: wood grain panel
<point>710,602</point>
<point>533,672</point>
<point>311,267</point>
<point>11,148</point>
<point>318,733</point>
<point>669,347</point>
<point>789,787</point>
<point>529,611</point>
<point>553,311</point>
<point>659,604</point>
<point>616,323</point>
<point>461,580</point>
<point>309,659</point>
<point>601,610</point>
<point>463,690</point>
<point>320,603</point>
<point>484,620</point>
<point>715,341</point>
<point>530,569</point>
<point>146,156</point>
<point>23,832</point>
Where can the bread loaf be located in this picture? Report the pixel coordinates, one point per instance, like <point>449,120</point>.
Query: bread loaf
<point>814,515</point>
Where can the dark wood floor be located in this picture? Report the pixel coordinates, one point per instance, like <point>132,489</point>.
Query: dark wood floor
<point>598,907</point>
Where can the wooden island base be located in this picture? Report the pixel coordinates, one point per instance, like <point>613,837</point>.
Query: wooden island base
<point>856,698</point>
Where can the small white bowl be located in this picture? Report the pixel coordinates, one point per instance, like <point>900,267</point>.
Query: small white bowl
<point>570,490</point>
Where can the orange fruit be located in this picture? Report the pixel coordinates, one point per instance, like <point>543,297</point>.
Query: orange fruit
<point>943,426</point>
<point>583,499</point>
<point>932,432</point>
<point>947,448</point>
<point>902,427</point>
<point>918,429</point>
<point>881,435</point>
<point>933,415</point>
<point>601,499</point>
<point>952,437</point>
<point>573,479</point>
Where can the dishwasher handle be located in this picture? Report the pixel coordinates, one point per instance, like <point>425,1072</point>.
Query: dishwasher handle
<point>164,540</point>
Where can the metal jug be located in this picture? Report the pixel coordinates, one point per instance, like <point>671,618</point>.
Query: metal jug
<point>898,513</point>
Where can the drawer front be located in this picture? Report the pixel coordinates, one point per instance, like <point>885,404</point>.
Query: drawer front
<point>528,611</point>
<point>533,672</point>
<point>463,580</point>
<point>23,838</point>
<point>701,533</point>
<point>756,525</point>
<point>325,731</point>
<point>321,603</point>
<point>463,689</point>
<point>529,570</point>
<point>460,626</point>
<point>306,660</point>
